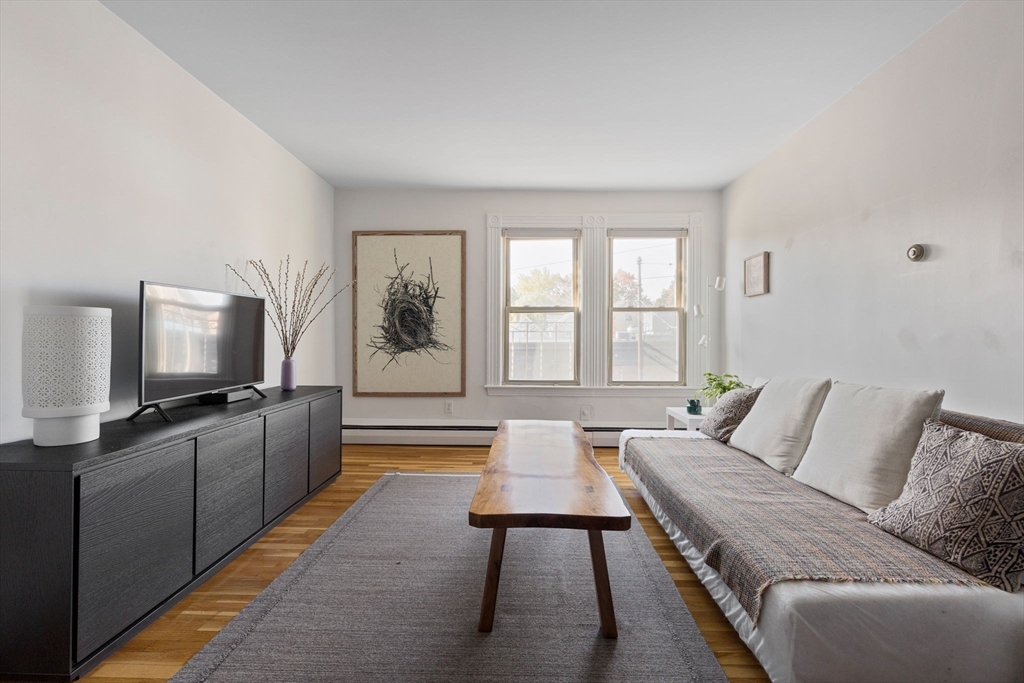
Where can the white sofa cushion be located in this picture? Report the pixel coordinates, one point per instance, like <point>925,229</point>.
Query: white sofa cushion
<point>863,442</point>
<point>778,427</point>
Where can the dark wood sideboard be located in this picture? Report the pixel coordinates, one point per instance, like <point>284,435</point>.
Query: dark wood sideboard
<point>98,539</point>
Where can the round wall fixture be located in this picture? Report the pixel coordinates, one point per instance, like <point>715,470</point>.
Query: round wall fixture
<point>915,252</point>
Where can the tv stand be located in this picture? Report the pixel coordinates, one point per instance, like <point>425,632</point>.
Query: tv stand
<point>167,418</point>
<point>99,539</point>
<point>155,406</point>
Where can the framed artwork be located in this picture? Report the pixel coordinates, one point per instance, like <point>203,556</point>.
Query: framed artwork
<point>755,274</point>
<point>409,313</point>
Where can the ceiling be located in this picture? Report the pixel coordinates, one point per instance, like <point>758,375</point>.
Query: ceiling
<point>530,95</point>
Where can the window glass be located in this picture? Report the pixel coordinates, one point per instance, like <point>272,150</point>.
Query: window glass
<point>542,347</point>
<point>645,346</point>
<point>644,273</point>
<point>540,272</point>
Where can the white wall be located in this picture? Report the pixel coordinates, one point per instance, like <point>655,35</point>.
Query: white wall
<point>466,210</point>
<point>115,166</point>
<point>929,149</point>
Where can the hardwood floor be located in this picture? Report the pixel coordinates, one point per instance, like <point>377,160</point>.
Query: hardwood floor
<point>161,649</point>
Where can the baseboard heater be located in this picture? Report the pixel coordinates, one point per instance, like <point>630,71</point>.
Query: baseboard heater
<point>470,428</point>
<point>452,435</point>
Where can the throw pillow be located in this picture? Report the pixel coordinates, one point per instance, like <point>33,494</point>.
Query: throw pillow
<point>778,427</point>
<point>863,441</point>
<point>728,412</point>
<point>964,503</point>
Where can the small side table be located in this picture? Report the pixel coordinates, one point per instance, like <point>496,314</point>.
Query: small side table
<point>677,416</point>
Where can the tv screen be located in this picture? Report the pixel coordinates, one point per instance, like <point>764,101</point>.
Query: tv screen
<point>197,341</point>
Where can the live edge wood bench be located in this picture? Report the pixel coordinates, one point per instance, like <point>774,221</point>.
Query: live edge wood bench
<point>543,473</point>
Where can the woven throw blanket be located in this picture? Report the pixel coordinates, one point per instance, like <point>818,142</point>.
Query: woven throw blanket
<point>757,527</point>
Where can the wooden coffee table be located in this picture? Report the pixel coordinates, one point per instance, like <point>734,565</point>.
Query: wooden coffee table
<point>543,473</point>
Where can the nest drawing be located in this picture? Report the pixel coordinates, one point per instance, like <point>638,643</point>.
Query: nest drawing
<point>409,321</point>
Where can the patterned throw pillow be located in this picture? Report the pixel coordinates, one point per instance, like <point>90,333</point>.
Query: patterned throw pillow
<point>728,412</point>
<point>964,503</point>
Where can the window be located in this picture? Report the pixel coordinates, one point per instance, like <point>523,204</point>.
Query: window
<point>597,304</point>
<point>646,312</point>
<point>541,310</point>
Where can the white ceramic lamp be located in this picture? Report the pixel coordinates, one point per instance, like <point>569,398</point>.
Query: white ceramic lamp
<point>65,372</point>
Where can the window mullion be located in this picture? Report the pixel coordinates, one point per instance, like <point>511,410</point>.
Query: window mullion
<point>594,303</point>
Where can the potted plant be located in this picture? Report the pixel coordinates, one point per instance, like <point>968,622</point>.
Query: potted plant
<point>291,317</point>
<point>716,385</point>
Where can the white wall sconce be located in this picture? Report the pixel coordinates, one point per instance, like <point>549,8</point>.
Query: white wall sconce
<point>65,372</point>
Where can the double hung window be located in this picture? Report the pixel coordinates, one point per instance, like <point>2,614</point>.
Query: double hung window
<point>646,313</point>
<point>542,309</point>
<point>598,302</point>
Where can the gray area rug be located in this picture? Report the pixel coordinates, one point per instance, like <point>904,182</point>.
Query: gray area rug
<point>391,592</point>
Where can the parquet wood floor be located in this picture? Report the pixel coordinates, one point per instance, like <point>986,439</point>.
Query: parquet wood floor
<point>161,649</point>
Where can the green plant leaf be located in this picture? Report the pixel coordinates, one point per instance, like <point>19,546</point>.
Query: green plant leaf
<point>716,385</point>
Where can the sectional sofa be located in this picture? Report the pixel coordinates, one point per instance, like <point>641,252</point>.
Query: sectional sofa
<point>817,592</point>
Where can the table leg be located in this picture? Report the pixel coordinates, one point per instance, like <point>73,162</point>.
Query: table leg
<point>670,422</point>
<point>491,580</point>
<point>604,588</point>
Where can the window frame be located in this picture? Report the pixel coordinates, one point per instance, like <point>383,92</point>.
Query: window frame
<point>508,310</point>
<point>680,310</point>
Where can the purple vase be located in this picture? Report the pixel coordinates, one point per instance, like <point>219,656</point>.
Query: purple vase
<point>288,374</point>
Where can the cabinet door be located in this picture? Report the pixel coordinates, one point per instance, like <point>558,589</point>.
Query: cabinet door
<point>229,490</point>
<point>135,540</point>
<point>324,439</point>
<point>286,461</point>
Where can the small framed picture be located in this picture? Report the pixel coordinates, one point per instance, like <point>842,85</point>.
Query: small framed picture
<point>755,274</point>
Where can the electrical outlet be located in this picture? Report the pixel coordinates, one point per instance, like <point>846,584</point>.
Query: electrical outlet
<point>449,407</point>
<point>585,412</point>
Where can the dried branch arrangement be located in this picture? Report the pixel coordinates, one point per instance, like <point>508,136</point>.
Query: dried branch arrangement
<point>291,317</point>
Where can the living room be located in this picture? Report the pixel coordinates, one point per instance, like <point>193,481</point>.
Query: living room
<point>535,235</point>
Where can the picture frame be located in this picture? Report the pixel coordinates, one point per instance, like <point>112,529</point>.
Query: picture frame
<point>409,313</point>
<point>755,274</point>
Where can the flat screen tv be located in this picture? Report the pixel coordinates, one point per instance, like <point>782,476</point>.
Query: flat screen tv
<point>197,341</point>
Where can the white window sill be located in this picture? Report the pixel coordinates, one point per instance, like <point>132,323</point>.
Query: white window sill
<point>619,391</point>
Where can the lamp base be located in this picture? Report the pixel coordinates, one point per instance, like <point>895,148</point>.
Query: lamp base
<point>64,431</point>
